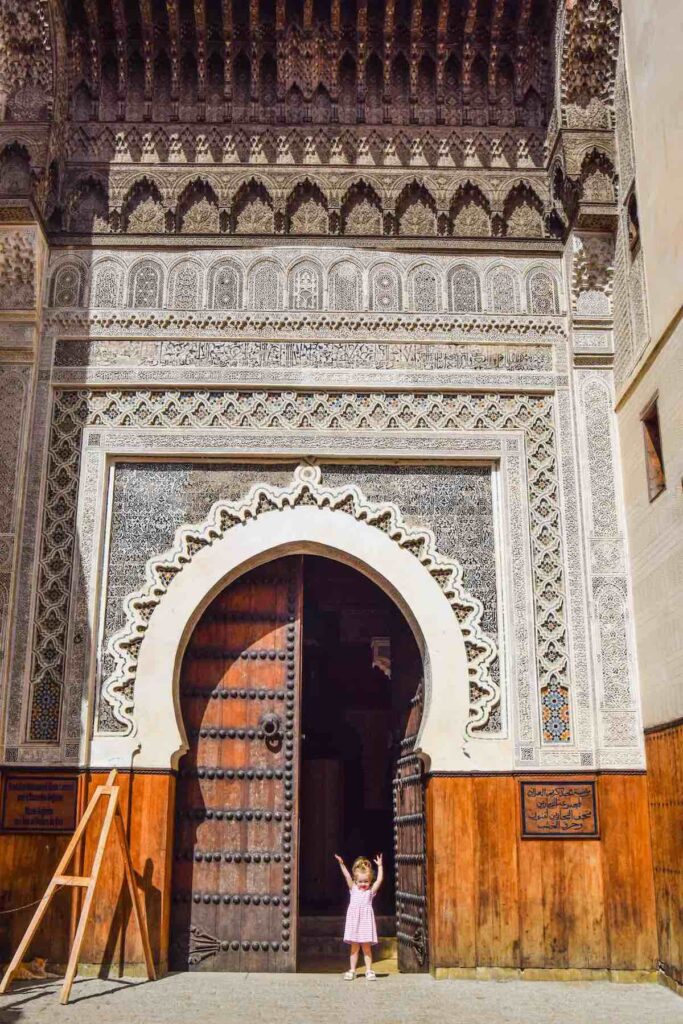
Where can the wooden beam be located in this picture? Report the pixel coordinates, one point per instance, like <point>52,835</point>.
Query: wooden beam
<point>494,47</point>
<point>522,70</point>
<point>389,39</point>
<point>93,46</point>
<point>200,33</point>
<point>416,45</point>
<point>76,42</point>
<point>227,50</point>
<point>255,50</point>
<point>335,25</point>
<point>121,52</point>
<point>147,52</point>
<point>468,48</point>
<point>174,43</point>
<point>281,63</point>
<point>441,49</point>
<point>361,51</point>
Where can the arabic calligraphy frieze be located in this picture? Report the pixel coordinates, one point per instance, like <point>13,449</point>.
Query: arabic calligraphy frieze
<point>559,809</point>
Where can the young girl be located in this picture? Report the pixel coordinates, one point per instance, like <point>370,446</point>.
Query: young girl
<point>361,929</point>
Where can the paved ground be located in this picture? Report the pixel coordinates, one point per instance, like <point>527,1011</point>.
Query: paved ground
<point>318,998</point>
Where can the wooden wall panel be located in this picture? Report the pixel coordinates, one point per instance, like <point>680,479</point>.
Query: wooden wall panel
<point>497,873</point>
<point>562,905</point>
<point>27,863</point>
<point>664,748</point>
<point>628,870</point>
<point>147,803</point>
<point>495,900</point>
<point>499,901</point>
<point>451,867</point>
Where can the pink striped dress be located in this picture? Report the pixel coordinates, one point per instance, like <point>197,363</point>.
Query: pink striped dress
<point>360,917</point>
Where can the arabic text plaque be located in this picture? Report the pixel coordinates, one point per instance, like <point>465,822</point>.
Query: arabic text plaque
<point>559,809</point>
<point>39,803</point>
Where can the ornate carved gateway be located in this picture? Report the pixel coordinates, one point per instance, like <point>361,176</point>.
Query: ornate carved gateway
<point>343,279</point>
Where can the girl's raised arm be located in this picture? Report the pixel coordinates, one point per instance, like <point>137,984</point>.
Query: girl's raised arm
<point>344,870</point>
<point>380,872</point>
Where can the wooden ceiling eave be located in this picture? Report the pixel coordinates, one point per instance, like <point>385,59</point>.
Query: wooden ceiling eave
<point>472,32</point>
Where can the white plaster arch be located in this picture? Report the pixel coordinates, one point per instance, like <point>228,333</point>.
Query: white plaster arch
<point>159,730</point>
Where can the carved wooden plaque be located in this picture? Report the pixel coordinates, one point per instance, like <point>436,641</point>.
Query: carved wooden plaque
<point>559,809</point>
<point>39,803</point>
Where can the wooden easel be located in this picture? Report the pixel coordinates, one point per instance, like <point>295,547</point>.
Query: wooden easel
<point>88,882</point>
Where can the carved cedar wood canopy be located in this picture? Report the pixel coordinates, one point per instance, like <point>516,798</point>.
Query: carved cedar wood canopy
<point>302,61</point>
<point>394,84</point>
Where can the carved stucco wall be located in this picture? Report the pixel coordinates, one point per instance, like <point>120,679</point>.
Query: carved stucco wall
<point>161,380</point>
<point>107,410</point>
<point>316,341</point>
<point>631,321</point>
<point>15,381</point>
<point>303,279</point>
<point>151,501</point>
<point>609,595</point>
<point>22,260</point>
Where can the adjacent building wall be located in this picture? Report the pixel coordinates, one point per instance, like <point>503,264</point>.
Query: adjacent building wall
<point>653,39</point>
<point>653,42</point>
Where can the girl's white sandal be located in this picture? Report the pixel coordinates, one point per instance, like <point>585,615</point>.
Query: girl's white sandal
<point>350,976</point>
<point>370,976</point>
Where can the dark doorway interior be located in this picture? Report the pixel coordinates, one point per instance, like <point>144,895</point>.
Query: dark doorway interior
<point>361,669</point>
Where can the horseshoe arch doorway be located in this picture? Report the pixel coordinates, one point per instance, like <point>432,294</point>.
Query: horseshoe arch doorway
<point>301,694</point>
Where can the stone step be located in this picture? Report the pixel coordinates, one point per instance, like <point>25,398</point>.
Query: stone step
<point>310,946</point>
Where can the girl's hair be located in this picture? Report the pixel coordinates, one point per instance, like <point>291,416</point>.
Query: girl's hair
<point>362,864</point>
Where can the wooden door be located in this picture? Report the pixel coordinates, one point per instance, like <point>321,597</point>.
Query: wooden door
<point>234,897</point>
<point>410,849</point>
